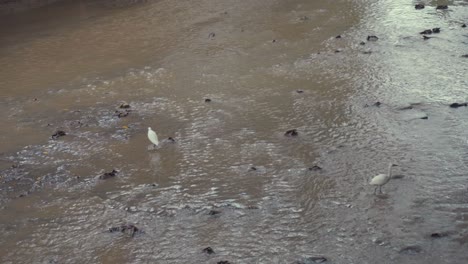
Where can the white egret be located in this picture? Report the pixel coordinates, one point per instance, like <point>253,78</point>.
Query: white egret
<point>382,179</point>
<point>153,137</point>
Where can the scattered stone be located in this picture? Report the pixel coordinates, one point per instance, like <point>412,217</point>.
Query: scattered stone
<point>338,37</point>
<point>211,35</point>
<point>436,30</point>
<point>442,7</point>
<point>456,105</point>
<point>291,133</point>
<point>214,212</point>
<point>170,139</point>
<point>252,168</point>
<point>130,229</point>
<point>377,103</point>
<point>108,175</point>
<point>372,38</point>
<point>367,52</point>
<point>337,51</point>
<point>426,37</point>
<point>207,100</point>
<point>299,91</point>
<point>425,117</point>
<point>419,6</point>
<point>208,250</point>
<point>59,133</point>
<point>464,56</point>
<point>463,26</point>
<point>224,262</point>
<point>124,106</point>
<point>273,41</point>
<point>362,43</point>
<point>427,31</point>
<point>315,168</point>
<point>411,250</point>
<point>439,235</point>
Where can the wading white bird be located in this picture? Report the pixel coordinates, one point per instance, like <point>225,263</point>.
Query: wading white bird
<point>381,179</point>
<point>153,137</point>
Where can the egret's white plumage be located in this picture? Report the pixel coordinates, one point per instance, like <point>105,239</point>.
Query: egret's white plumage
<point>381,179</point>
<point>153,137</point>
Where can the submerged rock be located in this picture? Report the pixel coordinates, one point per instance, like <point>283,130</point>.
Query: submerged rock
<point>214,212</point>
<point>372,38</point>
<point>130,229</point>
<point>362,43</point>
<point>427,31</point>
<point>291,133</point>
<point>315,168</point>
<point>419,6</point>
<point>252,168</point>
<point>426,37</point>
<point>464,56</point>
<point>58,133</point>
<point>456,105</point>
<point>413,249</point>
<point>442,7</point>
<point>211,35</point>
<point>108,175</point>
<point>299,91</point>
<point>310,260</point>
<point>338,37</point>
<point>463,26</point>
<point>207,100</point>
<point>439,235</point>
<point>436,30</point>
<point>208,250</point>
<point>171,139</point>
<point>223,262</point>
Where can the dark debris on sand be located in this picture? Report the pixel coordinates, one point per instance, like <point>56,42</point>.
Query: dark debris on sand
<point>108,175</point>
<point>58,133</point>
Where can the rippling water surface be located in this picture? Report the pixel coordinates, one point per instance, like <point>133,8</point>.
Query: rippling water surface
<point>267,66</point>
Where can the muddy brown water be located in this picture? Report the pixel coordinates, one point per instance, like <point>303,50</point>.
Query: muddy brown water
<point>69,66</point>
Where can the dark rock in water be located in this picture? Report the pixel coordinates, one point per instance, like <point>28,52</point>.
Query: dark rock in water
<point>439,235</point>
<point>464,56</point>
<point>337,51</point>
<point>214,212</point>
<point>411,250</point>
<point>426,37</point>
<point>170,139</point>
<point>442,7</point>
<point>108,175</point>
<point>315,168</point>
<point>207,100</point>
<point>59,133</point>
<point>121,114</point>
<point>273,41</point>
<point>463,26</point>
<point>211,35</point>
<point>398,176</point>
<point>131,229</point>
<point>406,107</point>
<point>427,31</point>
<point>377,103</point>
<point>338,37</point>
<point>304,18</point>
<point>223,262</point>
<point>299,91</point>
<point>124,106</point>
<point>436,30</point>
<point>456,105</point>
<point>424,117</point>
<point>291,133</point>
<point>252,168</point>
<point>367,52</point>
<point>208,250</point>
<point>419,6</point>
<point>372,38</point>
<point>362,43</point>
<point>316,259</point>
